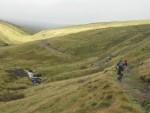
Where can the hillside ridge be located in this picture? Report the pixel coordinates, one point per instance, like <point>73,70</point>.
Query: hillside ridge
<point>12,34</point>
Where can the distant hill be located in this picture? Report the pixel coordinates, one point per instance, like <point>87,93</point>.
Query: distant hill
<point>34,27</point>
<point>12,34</point>
<point>80,28</point>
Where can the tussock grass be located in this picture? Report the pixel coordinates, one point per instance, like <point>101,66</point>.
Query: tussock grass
<point>94,93</point>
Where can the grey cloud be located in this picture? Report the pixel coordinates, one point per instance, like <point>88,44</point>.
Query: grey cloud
<point>73,11</point>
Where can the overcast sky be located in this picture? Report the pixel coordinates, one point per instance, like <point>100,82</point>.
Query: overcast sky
<point>73,11</point>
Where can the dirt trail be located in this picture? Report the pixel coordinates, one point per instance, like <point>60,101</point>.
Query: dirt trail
<point>139,90</point>
<point>52,50</point>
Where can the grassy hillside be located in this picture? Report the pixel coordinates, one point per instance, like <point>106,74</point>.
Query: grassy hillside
<point>11,34</point>
<point>79,72</point>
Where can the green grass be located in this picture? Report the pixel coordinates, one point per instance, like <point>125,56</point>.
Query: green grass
<point>78,76</point>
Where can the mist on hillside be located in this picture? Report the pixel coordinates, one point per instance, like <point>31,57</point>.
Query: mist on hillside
<point>35,27</point>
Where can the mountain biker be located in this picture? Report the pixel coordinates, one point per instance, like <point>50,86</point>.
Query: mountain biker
<point>31,76</point>
<point>120,69</point>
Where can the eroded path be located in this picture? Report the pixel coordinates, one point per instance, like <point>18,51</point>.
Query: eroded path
<point>139,90</point>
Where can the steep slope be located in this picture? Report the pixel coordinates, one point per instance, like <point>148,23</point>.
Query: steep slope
<point>11,34</point>
<point>78,72</point>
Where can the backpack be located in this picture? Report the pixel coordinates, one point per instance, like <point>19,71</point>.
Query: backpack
<point>121,67</point>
